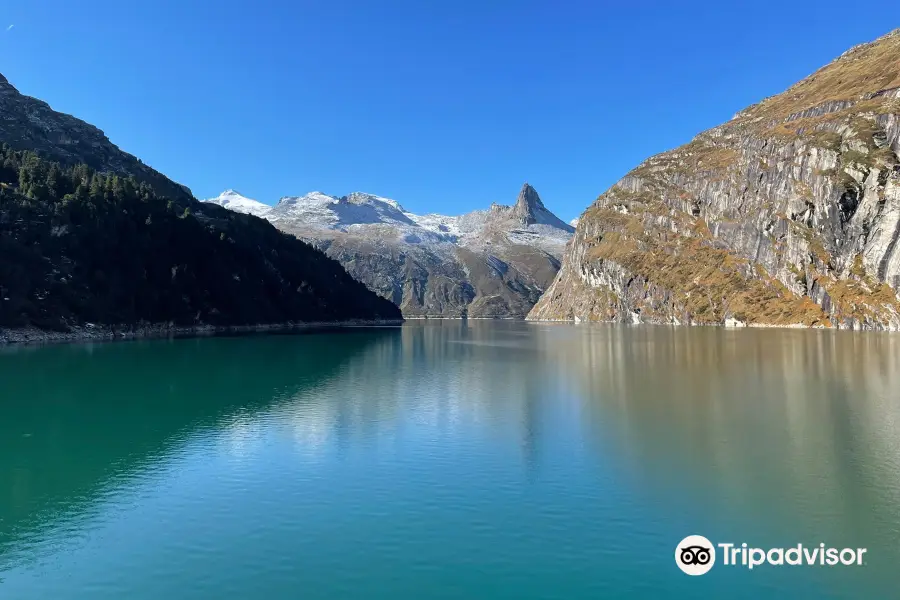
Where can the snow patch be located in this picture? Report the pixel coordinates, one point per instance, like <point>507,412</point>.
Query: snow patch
<point>233,200</point>
<point>382,218</point>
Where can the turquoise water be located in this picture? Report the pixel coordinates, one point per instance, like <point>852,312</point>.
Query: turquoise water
<point>448,460</point>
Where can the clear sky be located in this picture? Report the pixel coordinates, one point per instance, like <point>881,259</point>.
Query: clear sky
<point>443,106</point>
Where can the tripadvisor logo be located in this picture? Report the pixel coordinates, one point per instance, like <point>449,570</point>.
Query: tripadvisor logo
<point>696,555</point>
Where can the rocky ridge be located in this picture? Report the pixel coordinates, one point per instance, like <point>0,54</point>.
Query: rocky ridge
<point>788,214</point>
<point>485,264</point>
<point>27,123</point>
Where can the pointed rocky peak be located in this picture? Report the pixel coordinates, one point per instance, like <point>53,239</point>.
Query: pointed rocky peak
<point>529,211</point>
<point>528,204</point>
<point>3,79</point>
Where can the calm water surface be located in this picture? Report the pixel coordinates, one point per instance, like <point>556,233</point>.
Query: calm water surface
<point>448,460</point>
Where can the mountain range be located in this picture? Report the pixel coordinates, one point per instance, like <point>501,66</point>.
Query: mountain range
<point>491,263</point>
<point>788,214</point>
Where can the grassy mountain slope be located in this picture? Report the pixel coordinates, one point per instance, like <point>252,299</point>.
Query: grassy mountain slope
<point>788,214</point>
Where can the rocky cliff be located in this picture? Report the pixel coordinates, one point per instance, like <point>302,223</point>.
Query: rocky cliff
<point>788,214</point>
<point>485,264</point>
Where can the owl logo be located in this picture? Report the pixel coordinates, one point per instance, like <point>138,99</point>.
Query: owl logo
<point>695,555</point>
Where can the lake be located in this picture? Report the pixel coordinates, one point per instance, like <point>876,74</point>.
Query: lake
<point>448,460</point>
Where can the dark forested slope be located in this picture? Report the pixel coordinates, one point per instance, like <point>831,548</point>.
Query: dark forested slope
<point>27,123</point>
<point>79,246</point>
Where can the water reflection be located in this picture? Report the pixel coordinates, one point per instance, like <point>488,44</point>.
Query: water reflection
<point>574,446</point>
<point>78,422</point>
<point>776,437</point>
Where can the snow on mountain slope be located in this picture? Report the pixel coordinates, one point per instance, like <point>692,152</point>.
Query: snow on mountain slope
<point>233,200</point>
<point>439,224</point>
<point>486,263</point>
<point>316,209</point>
<point>527,222</point>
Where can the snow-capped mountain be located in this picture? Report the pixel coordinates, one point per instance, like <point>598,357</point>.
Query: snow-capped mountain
<point>527,222</point>
<point>235,201</point>
<point>487,263</point>
<point>358,212</point>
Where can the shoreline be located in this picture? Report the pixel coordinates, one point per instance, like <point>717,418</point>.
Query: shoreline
<point>33,336</point>
<point>731,326</point>
<point>419,318</point>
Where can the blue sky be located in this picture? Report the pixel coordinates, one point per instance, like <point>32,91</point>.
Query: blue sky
<point>444,106</point>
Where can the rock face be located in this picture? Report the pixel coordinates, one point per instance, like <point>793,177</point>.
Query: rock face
<point>485,264</point>
<point>27,123</point>
<point>788,214</point>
